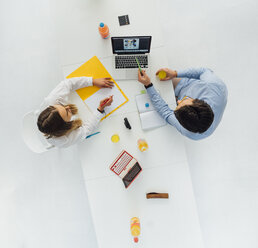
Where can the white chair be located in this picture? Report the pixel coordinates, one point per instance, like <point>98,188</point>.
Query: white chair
<point>32,137</point>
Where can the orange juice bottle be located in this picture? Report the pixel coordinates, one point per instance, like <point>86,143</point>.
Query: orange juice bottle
<point>103,30</point>
<point>142,145</point>
<point>135,228</point>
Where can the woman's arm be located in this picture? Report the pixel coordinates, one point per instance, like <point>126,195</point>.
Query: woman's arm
<point>86,129</point>
<point>61,92</point>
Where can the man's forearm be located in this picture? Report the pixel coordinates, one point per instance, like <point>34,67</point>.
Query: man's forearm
<point>159,104</point>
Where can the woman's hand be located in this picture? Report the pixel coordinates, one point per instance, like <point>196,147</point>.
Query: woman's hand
<point>105,102</point>
<point>170,74</point>
<point>103,82</point>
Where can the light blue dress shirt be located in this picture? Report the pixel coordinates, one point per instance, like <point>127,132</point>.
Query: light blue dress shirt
<point>199,83</point>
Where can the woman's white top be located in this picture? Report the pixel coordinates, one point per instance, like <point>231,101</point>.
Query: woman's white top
<point>59,95</point>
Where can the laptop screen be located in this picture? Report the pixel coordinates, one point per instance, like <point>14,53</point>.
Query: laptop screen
<point>131,44</point>
<point>132,174</point>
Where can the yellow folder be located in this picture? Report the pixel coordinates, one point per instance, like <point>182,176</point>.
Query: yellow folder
<point>94,68</point>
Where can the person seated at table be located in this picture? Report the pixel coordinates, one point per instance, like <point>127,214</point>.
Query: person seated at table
<point>201,100</point>
<point>58,122</point>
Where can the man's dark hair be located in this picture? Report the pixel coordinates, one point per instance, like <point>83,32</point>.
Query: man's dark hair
<point>196,117</point>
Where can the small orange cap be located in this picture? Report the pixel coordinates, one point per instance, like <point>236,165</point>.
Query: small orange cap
<point>136,239</point>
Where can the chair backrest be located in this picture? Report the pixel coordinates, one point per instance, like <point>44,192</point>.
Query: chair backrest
<point>32,137</point>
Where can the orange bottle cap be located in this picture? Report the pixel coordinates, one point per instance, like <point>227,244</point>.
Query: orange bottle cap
<point>136,239</point>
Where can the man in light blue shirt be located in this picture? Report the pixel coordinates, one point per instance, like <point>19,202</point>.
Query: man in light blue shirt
<point>201,98</point>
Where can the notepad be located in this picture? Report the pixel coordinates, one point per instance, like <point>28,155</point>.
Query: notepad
<point>92,95</point>
<point>93,101</point>
<point>149,117</point>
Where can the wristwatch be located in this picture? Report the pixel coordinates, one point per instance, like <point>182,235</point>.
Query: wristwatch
<point>148,86</point>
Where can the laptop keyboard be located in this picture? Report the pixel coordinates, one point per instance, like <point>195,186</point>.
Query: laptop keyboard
<point>122,163</point>
<point>124,62</point>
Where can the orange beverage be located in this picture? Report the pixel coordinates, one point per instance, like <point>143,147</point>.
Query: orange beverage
<point>103,30</point>
<point>142,145</point>
<point>135,228</point>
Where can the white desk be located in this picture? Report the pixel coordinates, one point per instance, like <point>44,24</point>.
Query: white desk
<point>164,223</point>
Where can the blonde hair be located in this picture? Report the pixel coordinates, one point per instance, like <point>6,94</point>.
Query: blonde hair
<point>52,124</point>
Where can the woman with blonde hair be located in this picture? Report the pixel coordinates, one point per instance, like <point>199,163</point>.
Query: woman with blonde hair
<point>57,120</point>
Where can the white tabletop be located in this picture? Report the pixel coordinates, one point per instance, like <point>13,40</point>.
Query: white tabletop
<point>164,223</point>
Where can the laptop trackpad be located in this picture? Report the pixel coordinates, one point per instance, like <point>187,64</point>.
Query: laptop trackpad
<point>122,74</point>
<point>131,74</point>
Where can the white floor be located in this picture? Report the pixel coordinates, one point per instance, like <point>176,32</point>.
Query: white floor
<point>43,198</point>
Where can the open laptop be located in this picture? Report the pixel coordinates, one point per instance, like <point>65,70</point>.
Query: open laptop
<point>125,49</point>
<point>126,167</point>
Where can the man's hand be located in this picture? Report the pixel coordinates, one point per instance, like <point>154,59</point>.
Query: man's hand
<point>105,102</point>
<point>170,74</point>
<point>144,79</point>
<point>103,82</point>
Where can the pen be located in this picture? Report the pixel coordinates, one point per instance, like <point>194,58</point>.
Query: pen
<point>92,135</point>
<point>137,61</point>
<point>105,101</point>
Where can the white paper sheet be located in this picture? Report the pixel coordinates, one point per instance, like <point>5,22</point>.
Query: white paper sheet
<point>141,100</point>
<point>149,117</point>
<point>118,98</point>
